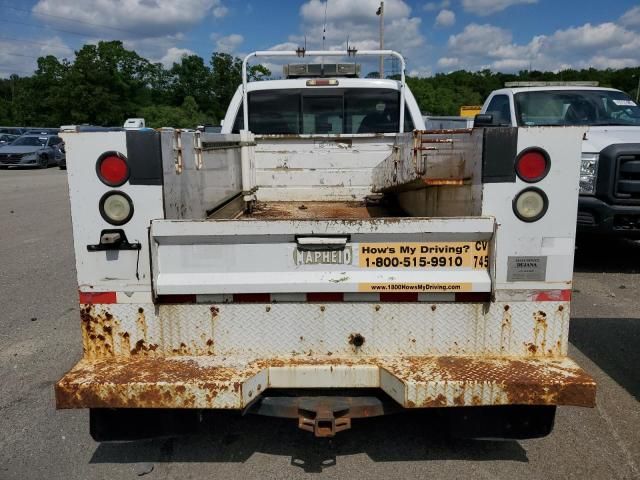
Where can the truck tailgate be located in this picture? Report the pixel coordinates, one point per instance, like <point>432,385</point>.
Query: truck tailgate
<point>335,255</point>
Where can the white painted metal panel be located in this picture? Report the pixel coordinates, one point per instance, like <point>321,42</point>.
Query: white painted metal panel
<point>242,332</point>
<point>124,271</point>
<point>205,177</point>
<point>553,236</point>
<point>315,167</point>
<point>217,257</point>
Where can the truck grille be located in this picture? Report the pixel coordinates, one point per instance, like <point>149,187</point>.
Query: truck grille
<point>627,184</point>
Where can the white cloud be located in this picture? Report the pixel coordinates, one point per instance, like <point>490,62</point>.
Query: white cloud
<point>220,11</point>
<point>229,43</point>
<point>152,48</point>
<point>357,21</point>
<point>631,18</point>
<point>448,62</point>
<point>608,62</point>
<point>420,72</point>
<point>590,37</point>
<point>605,45</point>
<point>337,10</point>
<point>14,58</point>
<point>174,55</point>
<point>479,39</point>
<point>433,6</point>
<point>487,7</point>
<point>127,18</point>
<point>446,18</point>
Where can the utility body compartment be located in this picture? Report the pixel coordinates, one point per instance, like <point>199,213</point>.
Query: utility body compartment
<point>261,269</point>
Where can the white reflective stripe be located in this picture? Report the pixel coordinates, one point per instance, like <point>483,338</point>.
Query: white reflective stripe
<point>436,297</point>
<point>288,297</point>
<point>133,297</point>
<point>361,297</point>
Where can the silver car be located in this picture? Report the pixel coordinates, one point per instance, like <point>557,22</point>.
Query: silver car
<point>31,151</point>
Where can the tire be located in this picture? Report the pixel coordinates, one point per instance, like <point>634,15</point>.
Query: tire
<point>45,162</point>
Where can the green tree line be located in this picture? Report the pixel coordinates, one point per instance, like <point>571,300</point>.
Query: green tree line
<point>107,83</point>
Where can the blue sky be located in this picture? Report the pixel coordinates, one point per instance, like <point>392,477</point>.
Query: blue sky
<point>435,36</point>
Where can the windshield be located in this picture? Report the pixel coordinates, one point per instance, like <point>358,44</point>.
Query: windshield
<point>323,111</point>
<point>31,142</point>
<point>576,107</point>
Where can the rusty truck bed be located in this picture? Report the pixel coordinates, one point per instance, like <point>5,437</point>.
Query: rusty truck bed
<point>321,210</point>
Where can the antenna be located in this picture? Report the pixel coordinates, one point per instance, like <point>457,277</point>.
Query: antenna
<point>324,26</point>
<point>324,35</point>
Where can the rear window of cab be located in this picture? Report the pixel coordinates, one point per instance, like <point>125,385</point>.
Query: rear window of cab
<point>323,111</point>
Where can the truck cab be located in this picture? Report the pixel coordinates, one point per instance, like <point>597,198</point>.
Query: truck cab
<point>327,106</point>
<point>609,201</point>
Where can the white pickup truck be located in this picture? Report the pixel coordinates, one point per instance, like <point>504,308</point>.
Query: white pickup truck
<point>324,265</point>
<point>610,167</point>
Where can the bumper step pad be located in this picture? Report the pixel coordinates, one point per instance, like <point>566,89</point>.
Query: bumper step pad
<point>413,382</point>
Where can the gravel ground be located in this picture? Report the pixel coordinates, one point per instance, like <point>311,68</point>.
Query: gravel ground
<point>40,340</point>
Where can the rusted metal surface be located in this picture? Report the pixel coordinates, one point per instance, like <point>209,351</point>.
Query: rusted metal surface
<point>324,416</point>
<point>161,382</point>
<point>448,131</point>
<point>218,356</point>
<point>279,328</point>
<point>469,381</point>
<point>434,173</point>
<point>413,382</point>
<point>318,210</point>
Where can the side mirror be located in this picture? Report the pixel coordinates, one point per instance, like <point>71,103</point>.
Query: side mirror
<point>484,120</point>
<point>222,122</point>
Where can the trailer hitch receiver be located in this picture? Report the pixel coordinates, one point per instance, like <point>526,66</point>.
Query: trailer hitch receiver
<point>323,417</point>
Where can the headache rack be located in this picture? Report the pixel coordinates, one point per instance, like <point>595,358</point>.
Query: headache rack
<point>301,52</point>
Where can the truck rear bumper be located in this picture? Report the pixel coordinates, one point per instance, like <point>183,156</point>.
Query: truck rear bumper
<point>209,382</point>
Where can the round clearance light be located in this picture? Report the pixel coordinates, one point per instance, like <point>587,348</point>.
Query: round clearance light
<point>530,204</point>
<point>116,208</point>
<point>112,169</point>
<point>532,165</point>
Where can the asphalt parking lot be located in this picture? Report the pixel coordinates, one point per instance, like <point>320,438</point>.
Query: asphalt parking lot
<point>40,340</point>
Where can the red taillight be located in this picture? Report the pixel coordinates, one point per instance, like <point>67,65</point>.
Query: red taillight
<point>112,169</point>
<point>532,165</point>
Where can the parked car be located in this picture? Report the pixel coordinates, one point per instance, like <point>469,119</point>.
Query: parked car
<point>7,138</point>
<point>31,151</point>
<point>13,130</point>
<point>42,131</point>
<point>61,156</point>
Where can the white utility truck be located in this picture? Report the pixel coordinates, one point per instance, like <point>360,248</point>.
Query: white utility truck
<point>332,261</point>
<point>610,165</point>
